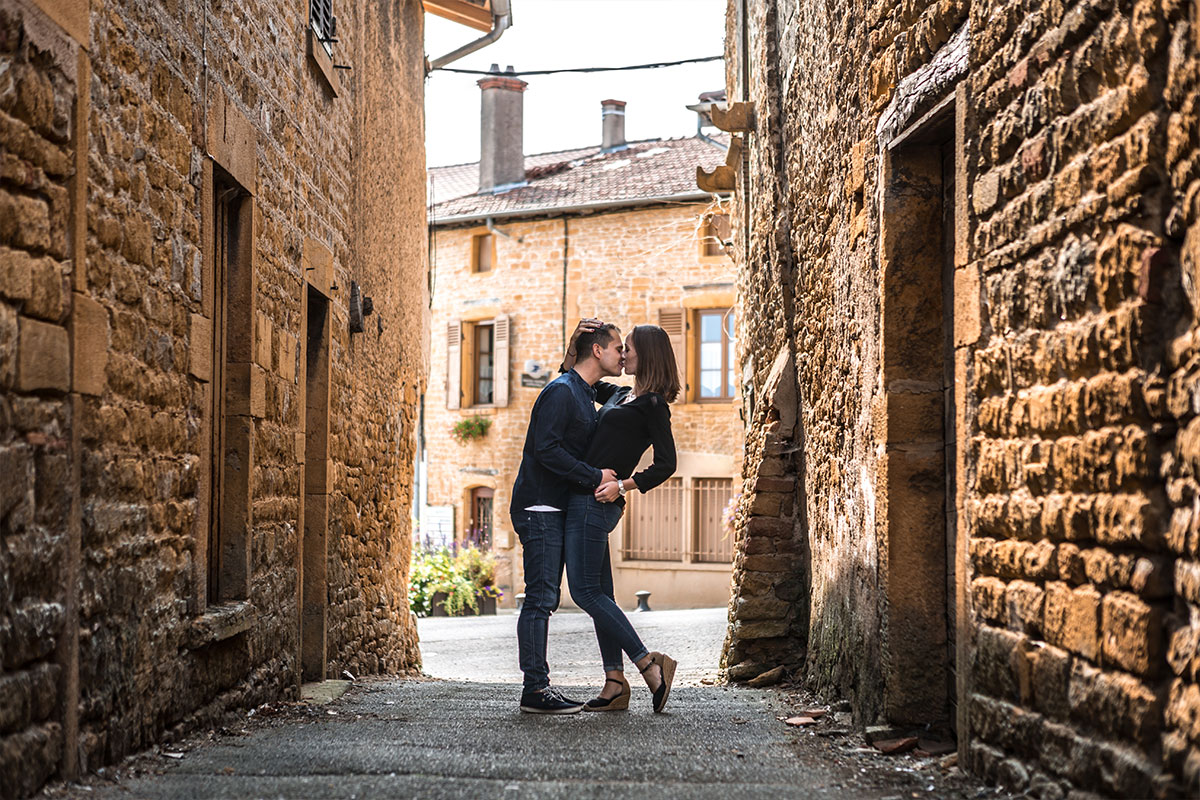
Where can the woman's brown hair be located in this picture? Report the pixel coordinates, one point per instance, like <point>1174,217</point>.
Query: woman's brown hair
<point>656,368</point>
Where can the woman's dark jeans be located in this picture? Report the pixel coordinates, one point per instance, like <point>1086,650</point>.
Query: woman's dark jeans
<point>589,575</point>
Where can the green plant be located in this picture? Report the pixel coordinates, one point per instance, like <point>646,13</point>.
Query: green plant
<point>463,574</point>
<point>473,427</point>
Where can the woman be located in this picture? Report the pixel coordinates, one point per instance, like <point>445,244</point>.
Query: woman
<point>630,420</point>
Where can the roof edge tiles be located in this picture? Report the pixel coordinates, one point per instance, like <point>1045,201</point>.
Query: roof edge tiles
<point>562,210</point>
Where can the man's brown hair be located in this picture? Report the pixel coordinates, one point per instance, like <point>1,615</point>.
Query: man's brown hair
<point>656,368</point>
<point>601,336</point>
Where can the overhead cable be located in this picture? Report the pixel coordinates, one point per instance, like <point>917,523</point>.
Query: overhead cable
<point>582,69</point>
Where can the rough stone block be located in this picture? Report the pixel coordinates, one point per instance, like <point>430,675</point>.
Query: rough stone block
<point>1072,619</point>
<point>262,341</point>
<point>16,274</point>
<point>988,599</point>
<point>1025,601</point>
<point>44,357</point>
<point>32,633</point>
<point>763,607</point>
<point>47,291</point>
<point>770,526</point>
<point>200,347</point>
<point>764,629</point>
<point>1133,633</point>
<point>89,345</point>
<point>31,757</point>
<point>1051,672</point>
<point>9,348</point>
<point>245,390</point>
<point>968,313</point>
<point>997,664</point>
<point>1120,705</point>
<point>767,504</point>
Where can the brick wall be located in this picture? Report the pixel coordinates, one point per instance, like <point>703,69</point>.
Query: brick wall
<point>622,267</point>
<point>110,639</point>
<point>1062,463</point>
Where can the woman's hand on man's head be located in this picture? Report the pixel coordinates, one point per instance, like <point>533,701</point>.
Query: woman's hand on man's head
<point>586,325</point>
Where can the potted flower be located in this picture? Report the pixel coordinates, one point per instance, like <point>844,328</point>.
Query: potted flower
<point>452,582</point>
<point>468,428</point>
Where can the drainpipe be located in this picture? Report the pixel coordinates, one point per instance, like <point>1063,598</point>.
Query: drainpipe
<point>501,21</point>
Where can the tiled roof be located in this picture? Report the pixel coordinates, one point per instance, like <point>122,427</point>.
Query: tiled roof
<point>643,171</point>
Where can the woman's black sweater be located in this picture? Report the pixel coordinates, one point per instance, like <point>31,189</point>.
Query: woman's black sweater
<point>624,432</point>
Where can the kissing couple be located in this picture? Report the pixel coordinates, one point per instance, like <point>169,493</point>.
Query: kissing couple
<point>576,470</point>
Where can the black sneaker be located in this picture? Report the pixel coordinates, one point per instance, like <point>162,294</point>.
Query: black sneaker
<point>562,696</point>
<point>548,701</point>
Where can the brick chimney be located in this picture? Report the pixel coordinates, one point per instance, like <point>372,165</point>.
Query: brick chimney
<point>612,121</point>
<point>502,143</point>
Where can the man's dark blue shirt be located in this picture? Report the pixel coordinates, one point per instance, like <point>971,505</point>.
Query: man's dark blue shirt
<point>560,428</point>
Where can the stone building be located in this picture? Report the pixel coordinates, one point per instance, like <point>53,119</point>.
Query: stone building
<point>523,246</point>
<point>212,325</point>
<point>971,235</point>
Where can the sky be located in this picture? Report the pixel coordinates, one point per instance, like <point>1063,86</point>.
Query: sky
<point>563,111</point>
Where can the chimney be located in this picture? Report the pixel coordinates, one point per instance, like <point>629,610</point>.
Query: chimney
<point>502,143</point>
<point>612,121</point>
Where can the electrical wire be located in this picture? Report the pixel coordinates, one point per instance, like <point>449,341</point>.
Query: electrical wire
<point>581,69</point>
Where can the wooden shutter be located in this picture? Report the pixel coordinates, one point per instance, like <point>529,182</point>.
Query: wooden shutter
<point>674,322</point>
<point>454,365</point>
<point>500,333</point>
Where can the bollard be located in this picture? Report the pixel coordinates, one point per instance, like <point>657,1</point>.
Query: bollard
<point>520,600</point>
<point>643,601</point>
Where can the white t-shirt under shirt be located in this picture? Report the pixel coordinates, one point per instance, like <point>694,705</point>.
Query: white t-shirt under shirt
<point>542,508</point>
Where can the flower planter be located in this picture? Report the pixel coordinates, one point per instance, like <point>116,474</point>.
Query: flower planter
<point>487,605</point>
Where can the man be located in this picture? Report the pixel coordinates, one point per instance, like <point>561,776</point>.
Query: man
<point>560,429</point>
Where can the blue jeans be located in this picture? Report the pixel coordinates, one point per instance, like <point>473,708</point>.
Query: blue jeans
<point>541,535</point>
<point>589,575</point>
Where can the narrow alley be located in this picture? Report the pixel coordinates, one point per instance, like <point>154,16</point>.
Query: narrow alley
<point>459,735</point>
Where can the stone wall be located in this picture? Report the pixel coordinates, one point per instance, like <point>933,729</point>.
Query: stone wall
<point>623,267</point>
<point>109,636</point>
<point>1062,464</point>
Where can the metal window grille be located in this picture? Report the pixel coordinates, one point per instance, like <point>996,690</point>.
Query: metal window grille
<point>320,14</point>
<point>654,528</point>
<point>711,543</point>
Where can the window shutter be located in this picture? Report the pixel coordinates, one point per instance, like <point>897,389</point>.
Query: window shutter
<point>674,322</point>
<point>500,333</point>
<point>454,365</point>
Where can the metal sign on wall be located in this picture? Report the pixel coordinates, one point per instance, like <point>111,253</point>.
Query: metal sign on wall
<point>534,376</point>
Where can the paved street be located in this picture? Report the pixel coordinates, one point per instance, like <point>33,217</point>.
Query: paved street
<point>485,648</point>
<point>459,734</point>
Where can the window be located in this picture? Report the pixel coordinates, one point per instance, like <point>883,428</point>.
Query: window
<point>714,362</point>
<point>477,362</point>
<point>485,364</point>
<point>324,23</point>
<point>714,233</point>
<point>483,251</point>
<point>680,518</point>
<point>479,526</point>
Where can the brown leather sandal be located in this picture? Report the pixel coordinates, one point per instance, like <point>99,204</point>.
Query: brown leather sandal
<point>618,703</point>
<point>667,665</point>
